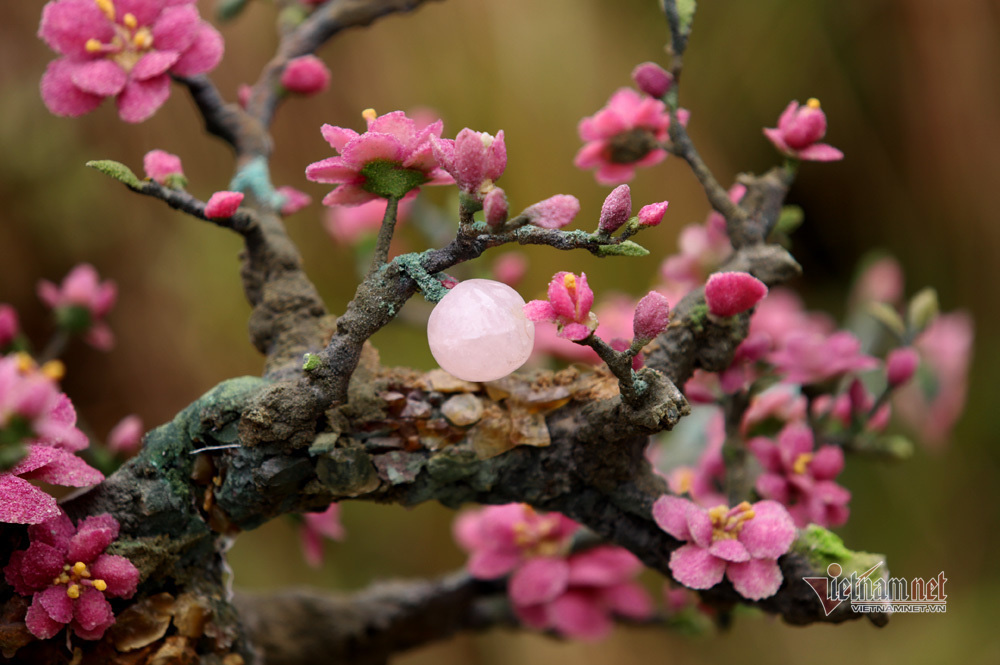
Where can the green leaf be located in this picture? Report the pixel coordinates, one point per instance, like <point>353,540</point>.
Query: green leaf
<point>116,170</point>
<point>627,248</point>
<point>685,11</point>
<point>922,310</point>
<point>790,219</point>
<point>229,9</point>
<point>312,362</point>
<point>888,317</point>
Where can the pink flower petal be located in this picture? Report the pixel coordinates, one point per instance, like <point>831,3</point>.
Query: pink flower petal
<point>337,137</point>
<point>827,463</point>
<point>348,195</point>
<point>99,77</point>
<point>820,152</point>
<point>176,27</point>
<point>40,564</point>
<point>539,310</point>
<point>66,26</point>
<point>63,98</point>
<point>23,503</point>
<point>93,535</point>
<point>575,332</point>
<point>65,469</point>
<point>56,603</point>
<point>334,170</point>
<point>770,532</point>
<point>579,615</point>
<point>370,147</point>
<point>154,63</point>
<point>699,525</point>
<point>629,599</point>
<point>755,579</point>
<point>203,55</point>
<point>730,550</point>
<point>141,99</point>
<point>696,568</point>
<point>121,576</point>
<point>92,610</point>
<point>538,581</point>
<point>40,623</point>
<point>57,531</point>
<point>491,564</point>
<point>602,566</point>
<point>670,513</point>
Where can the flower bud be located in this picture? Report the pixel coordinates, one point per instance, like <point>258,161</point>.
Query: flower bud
<point>652,79</point>
<point>900,365</point>
<point>554,212</point>
<point>306,75</point>
<point>495,207</point>
<point>616,209</point>
<point>652,214</point>
<point>730,293</point>
<point>223,204</point>
<point>652,315</point>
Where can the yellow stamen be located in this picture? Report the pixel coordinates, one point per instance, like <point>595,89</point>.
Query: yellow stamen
<point>66,567</point>
<point>79,567</point>
<point>54,369</point>
<point>801,462</point>
<point>25,363</point>
<point>130,21</point>
<point>369,115</point>
<point>813,103</point>
<point>143,38</point>
<point>569,281</point>
<point>93,45</point>
<point>73,591</point>
<point>108,7</point>
<point>100,585</point>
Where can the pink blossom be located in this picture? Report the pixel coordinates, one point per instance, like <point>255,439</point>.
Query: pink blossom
<point>554,212</point>
<point>81,302</point>
<point>616,210</point>
<point>781,403</point>
<point>347,224</point>
<point>392,158</point>
<point>474,159</point>
<point>900,365</point>
<point>652,214</point>
<point>34,413</point>
<point>814,358</point>
<point>652,315</point>
<point>510,268</point>
<point>126,49</point>
<point>627,133</point>
<point>305,75</point>
<point>652,79</point>
<point>615,315</point>
<point>932,404</point>
<point>568,306</point>
<point>578,595</point>
<point>317,526</point>
<point>704,481</point>
<point>164,168</point>
<point>504,539</point>
<point>799,131</point>
<point>742,543</point>
<point>495,207</point>
<point>781,315</point>
<point>294,200</point>
<point>9,326</point>
<point>801,478</point>
<point>126,437</point>
<point>882,281</point>
<point>69,577</point>
<point>703,248</point>
<point>731,293</point>
<point>223,204</point>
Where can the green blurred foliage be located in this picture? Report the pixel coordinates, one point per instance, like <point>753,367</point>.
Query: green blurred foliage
<point>911,89</point>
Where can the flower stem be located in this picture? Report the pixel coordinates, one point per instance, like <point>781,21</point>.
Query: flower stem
<point>381,254</point>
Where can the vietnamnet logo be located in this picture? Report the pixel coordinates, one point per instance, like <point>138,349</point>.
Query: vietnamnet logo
<point>869,592</point>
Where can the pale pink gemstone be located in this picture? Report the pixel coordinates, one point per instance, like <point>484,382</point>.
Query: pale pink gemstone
<point>478,332</point>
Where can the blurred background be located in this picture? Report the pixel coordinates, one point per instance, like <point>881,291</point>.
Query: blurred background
<point>911,89</point>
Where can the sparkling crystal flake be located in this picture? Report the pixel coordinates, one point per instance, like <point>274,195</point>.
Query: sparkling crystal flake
<point>478,332</point>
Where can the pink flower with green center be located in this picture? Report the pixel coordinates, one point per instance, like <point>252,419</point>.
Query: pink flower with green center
<point>801,477</point>
<point>626,134</point>
<point>577,596</point>
<point>126,49</point>
<point>741,543</point>
<point>568,306</point>
<point>389,160</point>
<point>504,539</point>
<point>799,130</point>
<point>70,578</point>
<point>33,413</point>
<point>81,302</point>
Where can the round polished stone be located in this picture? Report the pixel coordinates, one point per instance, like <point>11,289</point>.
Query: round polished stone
<point>478,332</point>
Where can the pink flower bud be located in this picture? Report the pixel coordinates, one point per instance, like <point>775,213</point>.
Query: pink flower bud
<point>900,365</point>
<point>294,200</point>
<point>495,207</point>
<point>9,327</point>
<point>243,93</point>
<point>799,131</point>
<point>306,75</point>
<point>223,204</point>
<point>554,212</point>
<point>730,293</point>
<point>616,209</point>
<point>162,167</point>
<point>126,436</point>
<point>568,306</point>
<point>474,159</point>
<point>652,214</point>
<point>652,79</point>
<point>652,315</point>
<point>509,268</point>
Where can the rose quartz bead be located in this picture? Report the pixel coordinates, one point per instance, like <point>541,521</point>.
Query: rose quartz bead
<point>478,332</point>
